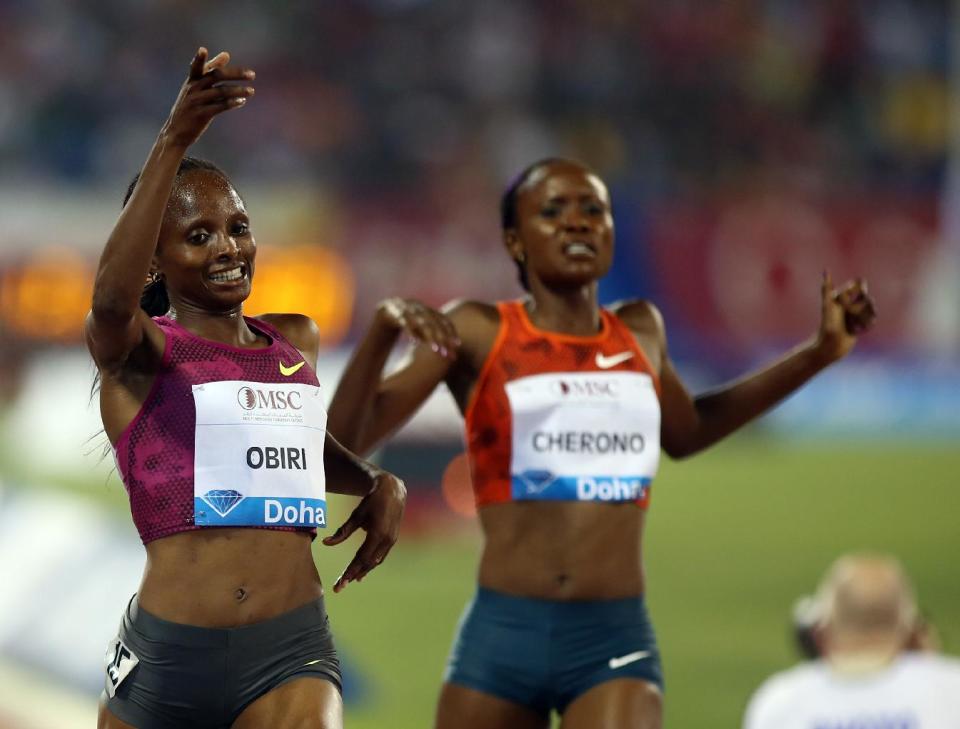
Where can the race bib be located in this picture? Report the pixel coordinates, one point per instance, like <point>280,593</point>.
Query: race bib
<point>118,662</point>
<point>258,458</point>
<point>584,436</point>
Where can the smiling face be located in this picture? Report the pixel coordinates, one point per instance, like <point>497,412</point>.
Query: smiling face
<point>206,250</point>
<point>564,226</point>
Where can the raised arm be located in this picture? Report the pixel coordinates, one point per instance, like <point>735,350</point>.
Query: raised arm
<point>366,408</point>
<point>116,325</point>
<point>691,424</point>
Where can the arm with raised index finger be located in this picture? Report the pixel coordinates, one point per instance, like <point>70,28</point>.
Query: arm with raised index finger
<point>116,325</point>
<point>366,408</point>
<point>690,424</point>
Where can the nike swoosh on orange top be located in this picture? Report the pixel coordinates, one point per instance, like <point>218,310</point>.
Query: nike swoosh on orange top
<point>605,363</point>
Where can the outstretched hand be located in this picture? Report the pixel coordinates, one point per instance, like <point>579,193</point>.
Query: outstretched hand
<point>378,514</point>
<point>422,323</point>
<point>212,87</point>
<point>846,313</point>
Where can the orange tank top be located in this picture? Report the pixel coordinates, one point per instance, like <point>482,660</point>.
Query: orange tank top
<point>563,418</point>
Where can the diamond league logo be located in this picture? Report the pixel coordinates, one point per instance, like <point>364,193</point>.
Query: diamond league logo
<point>222,501</point>
<point>537,481</point>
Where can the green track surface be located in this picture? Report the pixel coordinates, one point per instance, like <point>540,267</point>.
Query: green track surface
<point>734,536</point>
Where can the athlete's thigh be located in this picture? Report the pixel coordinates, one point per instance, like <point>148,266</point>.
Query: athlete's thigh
<point>464,708</point>
<point>305,703</point>
<point>106,720</point>
<point>624,702</point>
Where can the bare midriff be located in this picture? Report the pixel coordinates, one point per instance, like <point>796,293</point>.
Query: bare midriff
<point>564,550</point>
<point>227,577</point>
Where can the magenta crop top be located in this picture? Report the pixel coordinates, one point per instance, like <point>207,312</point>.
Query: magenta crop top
<point>155,453</point>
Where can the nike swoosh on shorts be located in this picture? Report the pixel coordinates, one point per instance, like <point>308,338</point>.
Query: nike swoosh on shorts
<point>622,661</point>
<point>287,371</point>
<point>605,363</point>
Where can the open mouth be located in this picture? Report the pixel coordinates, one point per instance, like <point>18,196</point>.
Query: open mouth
<point>228,275</point>
<point>579,249</point>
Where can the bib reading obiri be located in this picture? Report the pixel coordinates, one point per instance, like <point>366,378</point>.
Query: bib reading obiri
<point>259,454</point>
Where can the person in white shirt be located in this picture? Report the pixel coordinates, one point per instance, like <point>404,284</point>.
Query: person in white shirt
<point>867,676</point>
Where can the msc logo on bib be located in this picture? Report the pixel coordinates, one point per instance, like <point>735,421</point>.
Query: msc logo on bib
<point>602,388</point>
<point>250,399</point>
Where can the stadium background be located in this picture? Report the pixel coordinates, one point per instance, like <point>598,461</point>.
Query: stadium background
<point>748,145</point>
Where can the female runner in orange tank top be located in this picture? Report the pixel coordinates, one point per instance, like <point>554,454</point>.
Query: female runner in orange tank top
<point>553,555</point>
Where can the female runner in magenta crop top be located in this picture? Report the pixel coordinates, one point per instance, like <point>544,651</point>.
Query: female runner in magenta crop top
<point>219,435</point>
<point>566,407</point>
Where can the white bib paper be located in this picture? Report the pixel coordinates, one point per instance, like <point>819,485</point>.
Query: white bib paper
<point>584,436</point>
<point>258,458</point>
<point>118,662</point>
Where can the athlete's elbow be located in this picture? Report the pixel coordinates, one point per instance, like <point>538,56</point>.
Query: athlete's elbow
<point>350,435</point>
<point>682,448</point>
<point>678,453</point>
<point>363,446</point>
<point>340,430</point>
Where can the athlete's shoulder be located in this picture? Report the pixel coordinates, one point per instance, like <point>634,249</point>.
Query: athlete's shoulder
<point>472,319</point>
<point>298,329</point>
<point>640,315</point>
<point>468,311</point>
<point>477,324</point>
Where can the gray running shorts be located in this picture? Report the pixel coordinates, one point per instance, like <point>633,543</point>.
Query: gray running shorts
<point>161,675</point>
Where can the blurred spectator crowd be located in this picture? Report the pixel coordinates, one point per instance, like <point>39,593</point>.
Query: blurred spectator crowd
<point>748,144</point>
<point>668,99</point>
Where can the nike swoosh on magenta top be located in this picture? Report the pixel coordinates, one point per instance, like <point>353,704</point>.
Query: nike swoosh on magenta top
<point>287,371</point>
